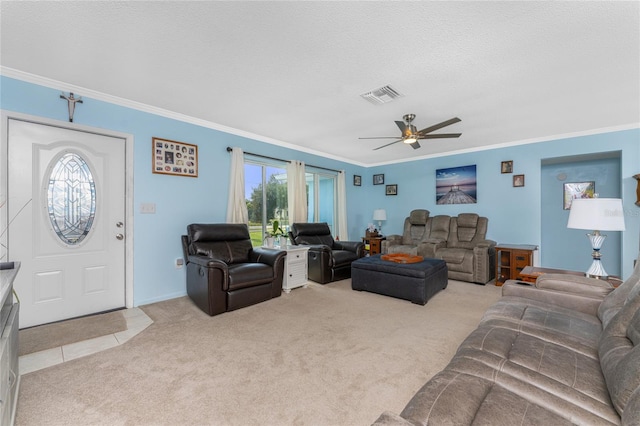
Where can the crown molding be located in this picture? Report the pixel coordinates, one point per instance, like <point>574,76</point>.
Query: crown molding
<point>59,85</point>
<point>561,136</point>
<point>139,106</point>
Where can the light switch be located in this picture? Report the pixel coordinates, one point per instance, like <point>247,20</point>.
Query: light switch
<point>148,208</point>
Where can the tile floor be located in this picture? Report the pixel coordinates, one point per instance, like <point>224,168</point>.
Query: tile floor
<point>137,321</point>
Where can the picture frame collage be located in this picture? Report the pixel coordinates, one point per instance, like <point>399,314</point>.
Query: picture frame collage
<point>174,158</point>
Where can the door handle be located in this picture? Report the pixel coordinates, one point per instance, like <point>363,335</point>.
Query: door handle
<point>119,237</point>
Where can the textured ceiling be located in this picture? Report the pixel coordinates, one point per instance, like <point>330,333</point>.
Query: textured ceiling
<point>294,71</point>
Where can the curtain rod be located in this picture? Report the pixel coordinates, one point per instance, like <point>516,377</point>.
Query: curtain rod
<point>229,149</point>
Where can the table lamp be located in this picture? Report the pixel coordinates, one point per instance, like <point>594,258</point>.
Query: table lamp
<point>380,215</point>
<point>599,214</point>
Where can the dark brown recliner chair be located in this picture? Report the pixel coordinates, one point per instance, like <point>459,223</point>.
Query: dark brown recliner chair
<point>225,272</point>
<point>329,260</point>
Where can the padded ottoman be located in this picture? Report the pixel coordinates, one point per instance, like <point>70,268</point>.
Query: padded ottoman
<point>415,282</point>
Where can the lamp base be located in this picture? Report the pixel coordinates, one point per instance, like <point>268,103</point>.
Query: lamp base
<point>596,270</point>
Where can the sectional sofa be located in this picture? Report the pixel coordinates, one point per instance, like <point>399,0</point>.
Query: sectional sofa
<point>563,352</point>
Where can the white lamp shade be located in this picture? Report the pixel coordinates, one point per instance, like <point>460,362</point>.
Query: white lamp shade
<point>598,214</point>
<point>380,214</point>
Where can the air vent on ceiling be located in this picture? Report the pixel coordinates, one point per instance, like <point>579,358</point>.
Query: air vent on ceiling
<point>382,95</point>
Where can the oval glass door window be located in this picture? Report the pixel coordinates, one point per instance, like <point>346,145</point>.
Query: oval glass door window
<point>71,198</point>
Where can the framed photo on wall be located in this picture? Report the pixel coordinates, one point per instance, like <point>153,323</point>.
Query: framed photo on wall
<point>573,190</point>
<point>518,180</point>
<point>378,179</point>
<point>174,158</point>
<point>506,167</point>
<point>357,180</point>
<point>391,190</point>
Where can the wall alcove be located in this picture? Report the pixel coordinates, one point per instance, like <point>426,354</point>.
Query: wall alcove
<point>565,248</point>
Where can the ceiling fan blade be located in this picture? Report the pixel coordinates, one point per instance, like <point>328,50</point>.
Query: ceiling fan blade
<point>440,135</point>
<point>439,126</point>
<point>381,137</point>
<point>415,145</point>
<point>375,149</point>
<point>401,125</point>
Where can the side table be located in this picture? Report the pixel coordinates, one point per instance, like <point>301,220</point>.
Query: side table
<point>511,259</point>
<point>374,245</point>
<point>295,267</point>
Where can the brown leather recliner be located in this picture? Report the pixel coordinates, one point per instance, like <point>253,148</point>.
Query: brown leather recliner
<point>225,272</point>
<point>328,260</point>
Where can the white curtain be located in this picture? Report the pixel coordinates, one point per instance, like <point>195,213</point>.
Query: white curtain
<point>236,204</point>
<point>343,229</point>
<point>296,192</point>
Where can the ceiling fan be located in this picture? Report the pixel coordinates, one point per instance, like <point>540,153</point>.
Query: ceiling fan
<point>410,135</point>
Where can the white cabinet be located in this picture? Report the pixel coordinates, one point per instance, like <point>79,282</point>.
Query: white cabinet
<point>295,268</point>
<point>8,347</point>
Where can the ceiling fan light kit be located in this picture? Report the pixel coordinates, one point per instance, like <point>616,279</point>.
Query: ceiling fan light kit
<point>410,134</point>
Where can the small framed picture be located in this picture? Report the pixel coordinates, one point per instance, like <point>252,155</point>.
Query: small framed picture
<point>378,179</point>
<point>573,190</point>
<point>506,167</point>
<point>357,180</point>
<point>518,180</point>
<point>391,190</point>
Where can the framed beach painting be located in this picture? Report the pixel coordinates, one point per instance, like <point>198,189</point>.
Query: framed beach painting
<point>456,185</point>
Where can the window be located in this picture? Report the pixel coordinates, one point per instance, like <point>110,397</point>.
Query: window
<point>71,198</point>
<point>321,200</point>
<point>266,196</point>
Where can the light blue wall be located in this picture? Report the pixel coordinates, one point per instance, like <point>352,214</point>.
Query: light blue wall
<point>570,248</point>
<point>179,200</point>
<point>514,213</point>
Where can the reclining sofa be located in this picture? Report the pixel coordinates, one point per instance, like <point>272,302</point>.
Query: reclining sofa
<point>458,240</point>
<point>563,352</point>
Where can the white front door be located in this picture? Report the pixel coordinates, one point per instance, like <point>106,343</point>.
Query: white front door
<point>66,204</point>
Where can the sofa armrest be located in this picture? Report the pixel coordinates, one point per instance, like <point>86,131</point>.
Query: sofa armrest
<point>268,256</point>
<point>430,246</point>
<point>572,293</point>
<point>486,243</point>
<point>393,239</point>
<point>204,269</point>
<point>352,246</point>
<point>390,240</point>
<point>484,263</point>
<point>319,248</point>
<point>207,262</point>
<point>574,284</point>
